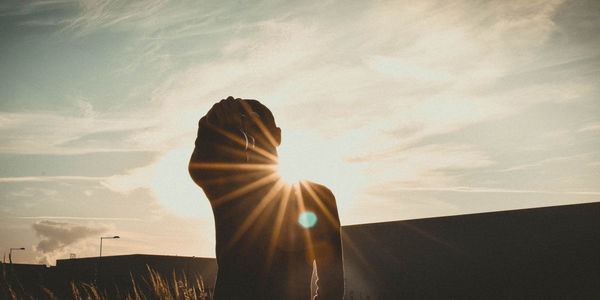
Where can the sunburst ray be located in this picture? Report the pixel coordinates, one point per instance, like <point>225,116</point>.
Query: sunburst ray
<point>242,142</point>
<point>306,231</point>
<point>278,221</point>
<point>256,212</point>
<point>246,188</point>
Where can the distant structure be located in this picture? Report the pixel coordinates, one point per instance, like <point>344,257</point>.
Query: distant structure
<point>72,256</point>
<point>540,253</point>
<point>16,278</point>
<point>119,271</point>
<point>116,275</point>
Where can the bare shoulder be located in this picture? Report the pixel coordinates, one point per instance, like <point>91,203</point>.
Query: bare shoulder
<point>320,193</point>
<point>321,190</point>
<point>323,203</point>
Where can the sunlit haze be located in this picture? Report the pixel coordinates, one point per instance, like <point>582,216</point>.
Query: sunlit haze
<point>403,109</point>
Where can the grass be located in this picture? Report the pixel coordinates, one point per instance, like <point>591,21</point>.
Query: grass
<point>148,286</point>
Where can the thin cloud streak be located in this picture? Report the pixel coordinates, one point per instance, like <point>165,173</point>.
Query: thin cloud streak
<point>543,162</point>
<point>590,127</point>
<point>79,218</point>
<point>23,134</point>
<point>51,178</point>
<point>464,189</point>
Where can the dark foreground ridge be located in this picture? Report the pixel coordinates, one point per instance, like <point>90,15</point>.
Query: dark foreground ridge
<point>539,253</point>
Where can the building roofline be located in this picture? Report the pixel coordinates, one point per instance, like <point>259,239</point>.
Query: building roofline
<point>552,207</point>
<point>132,255</point>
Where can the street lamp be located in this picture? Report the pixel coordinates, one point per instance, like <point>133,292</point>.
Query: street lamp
<point>98,262</point>
<point>106,237</point>
<point>10,253</point>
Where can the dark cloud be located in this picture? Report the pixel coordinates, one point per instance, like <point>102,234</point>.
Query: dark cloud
<point>58,235</point>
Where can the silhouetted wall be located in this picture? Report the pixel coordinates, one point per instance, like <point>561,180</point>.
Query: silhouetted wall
<point>541,253</point>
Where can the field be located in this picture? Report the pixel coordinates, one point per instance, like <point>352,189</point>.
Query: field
<point>148,286</point>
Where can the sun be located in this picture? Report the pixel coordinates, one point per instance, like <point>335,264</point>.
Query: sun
<point>296,160</point>
<point>290,169</point>
<point>303,156</point>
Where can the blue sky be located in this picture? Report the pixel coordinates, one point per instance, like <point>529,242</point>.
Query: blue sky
<point>405,110</point>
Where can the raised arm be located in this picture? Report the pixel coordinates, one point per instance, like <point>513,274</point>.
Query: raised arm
<point>204,153</point>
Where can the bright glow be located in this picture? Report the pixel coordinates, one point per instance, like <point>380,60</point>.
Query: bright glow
<point>306,156</point>
<point>290,172</point>
<point>302,156</point>
<point>294,161</point>
<point>307,219</point>
<point>172,185</point>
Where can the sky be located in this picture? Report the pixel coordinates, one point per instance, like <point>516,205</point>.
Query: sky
<point>403,109</point>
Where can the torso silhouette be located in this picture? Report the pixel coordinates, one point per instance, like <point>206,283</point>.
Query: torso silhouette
<point>268,233</point>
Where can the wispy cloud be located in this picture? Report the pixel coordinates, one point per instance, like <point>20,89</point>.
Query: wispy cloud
<point>78,218</point>
<point>396,80</point>
<point>427,165</point>
<point>50,178</point>
<point>464,189</point>
<point>295,62</point>
<point>543,162</point>
<point>34,133</point>
<point>31,192</point>
<point>11,8</point>
<point>94,15</point>
<point>133,179</point>
<point>590,127</point>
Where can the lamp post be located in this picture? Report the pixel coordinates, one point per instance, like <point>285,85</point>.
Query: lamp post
<point>98,262</point>
<point>10,253</point>
<point>106,237</point>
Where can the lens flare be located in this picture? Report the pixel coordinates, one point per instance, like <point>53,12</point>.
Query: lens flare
<point>307,219</point>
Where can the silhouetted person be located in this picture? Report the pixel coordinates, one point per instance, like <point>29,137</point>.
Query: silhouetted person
<point>268,233</point>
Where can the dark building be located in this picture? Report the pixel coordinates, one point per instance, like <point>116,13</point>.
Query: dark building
<point>541,253</point>
<point>22,279</point>
<point>118,274</point>
<point>113,277</point>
